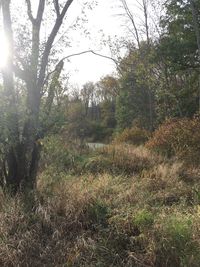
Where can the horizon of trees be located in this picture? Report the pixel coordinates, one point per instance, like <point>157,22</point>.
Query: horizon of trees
<point>157,78</point>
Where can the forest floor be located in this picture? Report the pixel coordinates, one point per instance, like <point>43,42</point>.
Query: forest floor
<point>116,206</point>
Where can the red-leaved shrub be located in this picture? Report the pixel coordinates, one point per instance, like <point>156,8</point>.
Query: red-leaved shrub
<point>134,136</point>
<point>178,137</point>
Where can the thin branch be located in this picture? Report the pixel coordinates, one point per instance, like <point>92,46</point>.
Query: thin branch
<point>78,54</point>
<point>57,8</point>
<point>29,11</point>
<point>49,43</point>
<point>145,6</point>
<point>36,38</point>
<point>91,51</point>
<point>129,14</point>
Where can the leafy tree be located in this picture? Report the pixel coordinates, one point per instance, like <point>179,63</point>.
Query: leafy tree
<point>178,41</point>
<point>177,52</point>
<point>27,64</point>
<point>136,99</point>
<point>77,122</point>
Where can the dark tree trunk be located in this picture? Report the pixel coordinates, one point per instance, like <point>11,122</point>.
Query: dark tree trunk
<point>22,152</point>
<point>21,167</point>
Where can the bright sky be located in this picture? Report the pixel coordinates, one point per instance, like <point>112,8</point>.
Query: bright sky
<point>106,18</point>
<point>103,21</point>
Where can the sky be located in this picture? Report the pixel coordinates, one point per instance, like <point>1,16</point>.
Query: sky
<point>103,23</point>
<point>95,25</point>
<point>105,20</point>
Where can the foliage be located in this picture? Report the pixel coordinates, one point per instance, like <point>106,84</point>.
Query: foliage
<point>136,98</point>
<point>143,218</point>
<point>120,159</point>
<point>29,88</point>
<point>178,37</point>
<point>178,137</point>
<point>176,54</point>
<point>98,132</point>
<point>176,231</point>
<point>135,136</point>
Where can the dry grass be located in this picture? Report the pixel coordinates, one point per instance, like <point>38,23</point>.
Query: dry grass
<point>135,136</point>
<point>122,159</point>
<point>150,217</point>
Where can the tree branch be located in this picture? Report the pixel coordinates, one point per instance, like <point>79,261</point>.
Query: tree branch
<point>49,43</point>
<point>40,11</point>
<point>29,11</point>
<point>90,51</point>
<point>78,54</point>
<point>57,8</point>
<point>130,16</point>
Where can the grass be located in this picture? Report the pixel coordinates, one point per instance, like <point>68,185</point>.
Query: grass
<point>139,210</point>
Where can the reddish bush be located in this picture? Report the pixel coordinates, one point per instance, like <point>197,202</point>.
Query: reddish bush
<point>178,137</point>
<point>135,136</point>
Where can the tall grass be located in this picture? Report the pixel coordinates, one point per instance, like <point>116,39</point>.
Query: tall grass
<point>145,212</point>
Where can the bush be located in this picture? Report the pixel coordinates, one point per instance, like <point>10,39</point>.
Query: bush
<point>176,243</point>
<point>98,132</point>
<point>143,219</point>
<point>135,136</point>
<point>62,153</point>
<point>121,159</point>
<point>98,213</point>
<point>178,137</point>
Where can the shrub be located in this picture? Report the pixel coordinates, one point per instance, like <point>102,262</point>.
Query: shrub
<point>98,212</point>
<point>135,136</point>
<point>60,154</point>
<point>121,159</point>
<point>178,137</point>
<point>143,218</point>
<point>176,243</point>
<point>97,132</point>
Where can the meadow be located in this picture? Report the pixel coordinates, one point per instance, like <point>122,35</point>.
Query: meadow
<point>119,205</point>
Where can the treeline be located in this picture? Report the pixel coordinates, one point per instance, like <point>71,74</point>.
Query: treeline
<point>157,79</point>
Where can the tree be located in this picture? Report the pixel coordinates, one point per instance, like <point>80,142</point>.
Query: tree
<point>87,94</point>
<point>135,100</point>
<point>195,14</point>
<point>141,34</point>
<point>177,52</point>
<point>77,124</point>
<point>21,145</point>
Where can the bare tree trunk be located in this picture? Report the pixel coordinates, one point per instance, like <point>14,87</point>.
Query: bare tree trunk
<point>146,24</point>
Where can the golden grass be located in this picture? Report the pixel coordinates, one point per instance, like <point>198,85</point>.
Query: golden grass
<point>150,217</point>
<point>122,159</point>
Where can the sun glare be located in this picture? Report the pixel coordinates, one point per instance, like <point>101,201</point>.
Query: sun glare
<point>3,50</point>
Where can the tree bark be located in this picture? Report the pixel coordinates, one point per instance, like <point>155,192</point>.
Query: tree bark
<point>23,150</point>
